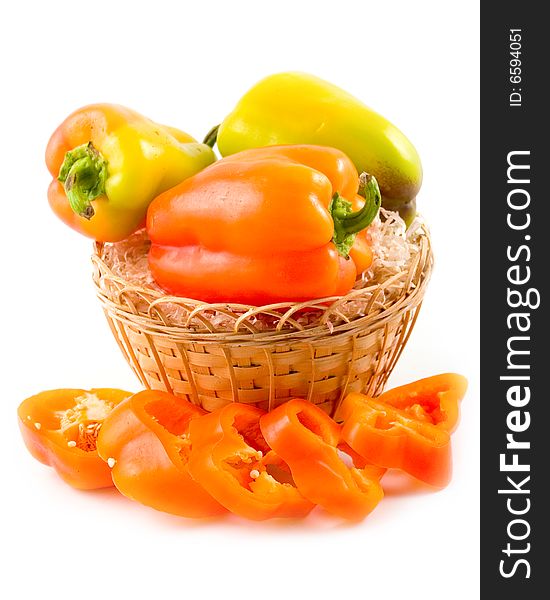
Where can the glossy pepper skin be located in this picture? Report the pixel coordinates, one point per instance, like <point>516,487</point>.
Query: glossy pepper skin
<point>434,399</point>
<point>265,225</point>
<point>146,440</point>
<point>297,108</point>
<point>108,162</point>
<point>231,459</point>
<point>60,428</point>
<point>307,439</point>
<point>393,438</point>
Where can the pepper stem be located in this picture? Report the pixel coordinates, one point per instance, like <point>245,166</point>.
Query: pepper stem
<point>348,224</point>
<point>211,137</point>
<point>83,174</point>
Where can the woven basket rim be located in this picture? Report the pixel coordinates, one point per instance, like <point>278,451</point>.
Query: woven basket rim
<point>117,296</point>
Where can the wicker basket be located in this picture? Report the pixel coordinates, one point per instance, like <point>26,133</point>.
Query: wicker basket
<point>214,354</point>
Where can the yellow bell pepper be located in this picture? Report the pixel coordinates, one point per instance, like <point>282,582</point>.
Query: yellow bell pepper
<point>297,108</point>
<point>108,163</point>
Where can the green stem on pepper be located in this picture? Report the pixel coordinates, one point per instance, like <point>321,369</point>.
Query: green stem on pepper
<point>211,137</point>
<point>348,224</point>
<point>83,175</point>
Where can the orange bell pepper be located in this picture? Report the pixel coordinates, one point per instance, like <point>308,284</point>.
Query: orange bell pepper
<point>146,442</point>
<point>231,459</point>
<point>308,440</point>
<point>60,429</point>
<point>393,438</point>
<point>264,225</point>
<point>433,399</point>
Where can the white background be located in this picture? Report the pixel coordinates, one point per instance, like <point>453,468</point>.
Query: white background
<point>187,64</point>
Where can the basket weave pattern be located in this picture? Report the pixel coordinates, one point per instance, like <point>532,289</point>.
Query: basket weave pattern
<point>265,355</point>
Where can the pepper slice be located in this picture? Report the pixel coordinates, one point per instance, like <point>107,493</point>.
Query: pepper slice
<point>307,439</point>
<point>432,399</point>
<point>393,438</point>
<point>231,459</point>
<point>60,429</point>
<point>146,442</point>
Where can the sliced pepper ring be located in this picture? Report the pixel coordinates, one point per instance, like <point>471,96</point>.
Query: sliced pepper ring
<point>308,440</point>
<point>433,399</point>
<point>60,429</point>
<point>392,438</point>
<point>146,442</point>
<point>231,459</point>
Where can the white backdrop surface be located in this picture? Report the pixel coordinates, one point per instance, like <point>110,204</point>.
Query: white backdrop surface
<point>186,64</point>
